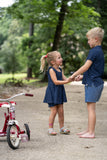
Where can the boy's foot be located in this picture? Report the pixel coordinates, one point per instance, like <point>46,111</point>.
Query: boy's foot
<point>87,135</point>
<point>52,132</point>
<point>64,131</point>
<point>82,132</point>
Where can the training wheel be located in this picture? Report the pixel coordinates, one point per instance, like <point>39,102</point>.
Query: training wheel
<point>27,131</point>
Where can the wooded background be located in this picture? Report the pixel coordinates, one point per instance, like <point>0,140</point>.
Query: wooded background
<point>31,28</point>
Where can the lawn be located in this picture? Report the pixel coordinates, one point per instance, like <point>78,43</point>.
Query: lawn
<point>3,77</point>
<point>22,76</point>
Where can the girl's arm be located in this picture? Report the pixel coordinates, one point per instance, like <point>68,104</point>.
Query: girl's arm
<point>64,77</point>
<point>54,78</point>
<point>83,69</point>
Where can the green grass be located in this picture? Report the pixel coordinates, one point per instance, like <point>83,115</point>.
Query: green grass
<point>3,77</point>
<point>22,76</point>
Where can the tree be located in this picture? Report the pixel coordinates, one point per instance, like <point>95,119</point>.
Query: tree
<point>58,21</point>
<point>5,21</point>
<point>101,8</point>
<point>9,49</point>
<point>29,69</point>
<point>59,26</point>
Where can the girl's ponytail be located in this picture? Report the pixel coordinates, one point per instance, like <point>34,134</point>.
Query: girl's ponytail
<point>43,59</point>
<point>50,56</point>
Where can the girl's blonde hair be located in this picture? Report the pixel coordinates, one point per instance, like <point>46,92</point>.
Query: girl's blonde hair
<point>49,57</point>
<point>96,32</point>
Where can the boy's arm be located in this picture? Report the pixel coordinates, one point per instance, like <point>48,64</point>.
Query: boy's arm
<point>82,69</point>
<point>54,78</point>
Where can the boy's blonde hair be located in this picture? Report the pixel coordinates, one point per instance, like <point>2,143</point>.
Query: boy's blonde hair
<point>49,57</point>
<point>96,32</point>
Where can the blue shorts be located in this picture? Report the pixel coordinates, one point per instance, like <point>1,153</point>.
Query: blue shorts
<point>52,104</point>
<point>93,93</point>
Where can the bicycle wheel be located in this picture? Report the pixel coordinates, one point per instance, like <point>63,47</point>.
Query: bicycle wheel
<point>27,131</point>
<point>12,136</point>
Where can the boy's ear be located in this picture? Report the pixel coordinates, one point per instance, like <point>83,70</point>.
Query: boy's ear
<point>97,39</point>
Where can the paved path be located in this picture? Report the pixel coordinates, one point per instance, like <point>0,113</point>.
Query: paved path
<point>60,147</point>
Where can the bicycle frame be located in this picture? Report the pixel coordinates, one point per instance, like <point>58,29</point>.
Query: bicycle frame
<point>10,118</point>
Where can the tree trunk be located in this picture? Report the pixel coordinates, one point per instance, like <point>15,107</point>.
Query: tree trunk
<point>59,25</point>
<point>31,31</point>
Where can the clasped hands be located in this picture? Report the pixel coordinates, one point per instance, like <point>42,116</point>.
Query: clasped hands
<point>75,78</point>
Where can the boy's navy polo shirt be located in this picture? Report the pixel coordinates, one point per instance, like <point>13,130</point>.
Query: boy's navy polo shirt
<point>96,70</point>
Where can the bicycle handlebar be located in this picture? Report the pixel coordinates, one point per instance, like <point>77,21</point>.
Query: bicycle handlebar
<point>20,94</point>
<point>27,94</point>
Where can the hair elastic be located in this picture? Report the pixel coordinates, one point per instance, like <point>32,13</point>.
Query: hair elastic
<point>46,55</point>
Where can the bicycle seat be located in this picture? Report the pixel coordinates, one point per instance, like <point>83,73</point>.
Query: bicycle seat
<point>6,104</point>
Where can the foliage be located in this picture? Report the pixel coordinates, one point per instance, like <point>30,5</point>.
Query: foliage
<point>21,78</point>
<point>13,82</point>
<point>35,11</point>
<point>5,21</point>
<point>80,16</point>
<point>9,49</point>
<point>73,55</point>
<point>101,8</point>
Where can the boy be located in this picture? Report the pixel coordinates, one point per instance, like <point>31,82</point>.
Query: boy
<point>92,78</point>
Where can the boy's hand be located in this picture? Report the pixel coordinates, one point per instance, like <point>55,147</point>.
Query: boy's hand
<point>78,78</point>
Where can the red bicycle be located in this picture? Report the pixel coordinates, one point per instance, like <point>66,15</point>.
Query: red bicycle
<point>11,127</point>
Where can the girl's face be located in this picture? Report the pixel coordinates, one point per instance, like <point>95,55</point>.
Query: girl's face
<point>92,42</point>
<point>58,59</point>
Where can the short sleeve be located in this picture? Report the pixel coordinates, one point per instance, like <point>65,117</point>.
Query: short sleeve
<point>91,56</point>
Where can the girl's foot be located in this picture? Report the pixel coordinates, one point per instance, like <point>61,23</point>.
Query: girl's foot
<point>64,130</point>
<point>51,132</point>
<point>81,133</point>
<point>87,135</point>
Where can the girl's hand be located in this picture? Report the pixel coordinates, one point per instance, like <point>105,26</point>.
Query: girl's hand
<point>72,78</point>
<point>69,79</point>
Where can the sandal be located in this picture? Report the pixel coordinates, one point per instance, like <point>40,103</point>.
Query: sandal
<point>64,130</point>
<point>52,132</point>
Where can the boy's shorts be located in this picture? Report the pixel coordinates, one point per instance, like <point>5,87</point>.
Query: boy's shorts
<point>93,93</point>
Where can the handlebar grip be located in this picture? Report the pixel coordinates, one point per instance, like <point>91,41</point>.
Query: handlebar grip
<point>27,94</point>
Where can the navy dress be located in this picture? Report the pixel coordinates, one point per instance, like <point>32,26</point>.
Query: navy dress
<point>55,94</point>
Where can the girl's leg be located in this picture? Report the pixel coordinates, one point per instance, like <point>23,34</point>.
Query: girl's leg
<point>52,116</point>
<point>60,115</point>
<point>63,130</point>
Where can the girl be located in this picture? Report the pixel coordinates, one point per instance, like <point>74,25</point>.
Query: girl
<point>55,94</point>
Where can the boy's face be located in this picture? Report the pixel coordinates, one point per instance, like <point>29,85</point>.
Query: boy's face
<point>92,42</point>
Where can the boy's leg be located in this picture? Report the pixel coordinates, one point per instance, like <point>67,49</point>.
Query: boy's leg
<point>91,117</point>
<point>91,121</point>
<point>61,115</point>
